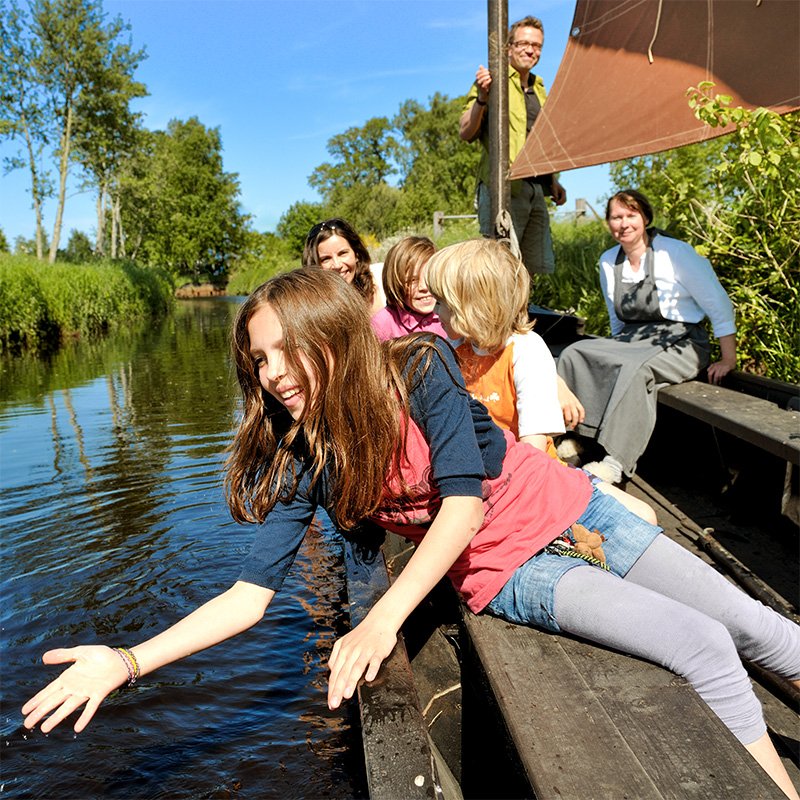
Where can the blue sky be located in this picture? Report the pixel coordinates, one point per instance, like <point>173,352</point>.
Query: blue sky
<point>281,77</point>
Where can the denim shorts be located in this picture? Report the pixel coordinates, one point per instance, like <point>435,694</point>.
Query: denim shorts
<point>528,598</point>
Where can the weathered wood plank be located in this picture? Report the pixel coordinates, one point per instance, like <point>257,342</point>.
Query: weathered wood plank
<point>591,723</point>
<point>399,761</point>
<point>749,418</point>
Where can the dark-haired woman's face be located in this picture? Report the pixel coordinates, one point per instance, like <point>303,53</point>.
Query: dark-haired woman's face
<point>335,253</point>
<point>626,224</point>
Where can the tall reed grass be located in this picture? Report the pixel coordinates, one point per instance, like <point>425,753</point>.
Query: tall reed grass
<point>575,284</point>
<point>40,304</point>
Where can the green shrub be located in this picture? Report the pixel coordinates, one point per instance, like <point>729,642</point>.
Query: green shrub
<point>574,286</point>
<point>40,304</point>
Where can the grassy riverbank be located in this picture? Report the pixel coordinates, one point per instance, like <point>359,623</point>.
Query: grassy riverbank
<point>41,304</point>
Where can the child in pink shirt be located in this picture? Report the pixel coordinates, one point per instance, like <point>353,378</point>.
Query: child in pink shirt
<point>409,305</point>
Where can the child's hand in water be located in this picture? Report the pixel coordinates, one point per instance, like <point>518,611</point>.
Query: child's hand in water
<point>95,673</point>
<point>360,652</point>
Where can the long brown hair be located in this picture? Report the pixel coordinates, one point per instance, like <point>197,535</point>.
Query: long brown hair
<point>362,276</point>
<point>350,424</point>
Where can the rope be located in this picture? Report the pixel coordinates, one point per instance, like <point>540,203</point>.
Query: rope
<point>655,33</point>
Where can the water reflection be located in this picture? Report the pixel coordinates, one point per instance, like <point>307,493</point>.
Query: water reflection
<point>114,526</point>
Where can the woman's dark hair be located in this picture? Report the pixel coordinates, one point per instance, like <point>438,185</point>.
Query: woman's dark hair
<point>635,201</point>
<point>362,278</point>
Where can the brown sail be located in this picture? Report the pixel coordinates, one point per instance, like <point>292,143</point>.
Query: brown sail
<point>620,89</point>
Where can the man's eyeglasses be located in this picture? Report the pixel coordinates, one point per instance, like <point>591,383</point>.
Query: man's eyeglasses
<point>328,225</point>
<point>524,45</point>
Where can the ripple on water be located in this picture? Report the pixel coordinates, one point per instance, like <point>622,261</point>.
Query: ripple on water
<point>114,526</point>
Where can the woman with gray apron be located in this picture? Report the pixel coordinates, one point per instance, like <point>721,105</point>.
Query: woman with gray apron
<point>657,290</point>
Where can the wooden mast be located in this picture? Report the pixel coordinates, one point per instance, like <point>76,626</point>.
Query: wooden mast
<point>498,112</point>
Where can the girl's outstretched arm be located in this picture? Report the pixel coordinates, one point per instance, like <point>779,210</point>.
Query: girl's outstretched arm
<point>97,670</point>
<point>368,644</point>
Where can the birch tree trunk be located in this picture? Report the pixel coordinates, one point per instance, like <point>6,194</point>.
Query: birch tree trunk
<point>66,138</point>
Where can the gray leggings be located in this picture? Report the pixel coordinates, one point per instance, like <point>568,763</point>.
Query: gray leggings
<point>674,609</point>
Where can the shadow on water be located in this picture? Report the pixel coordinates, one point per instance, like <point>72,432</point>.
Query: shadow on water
<point>114,526</point>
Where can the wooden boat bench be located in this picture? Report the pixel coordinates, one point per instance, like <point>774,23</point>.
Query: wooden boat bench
<point>773,424</point>
<point>562,719</point>
<point>545,716</point>
<point>752,419</point>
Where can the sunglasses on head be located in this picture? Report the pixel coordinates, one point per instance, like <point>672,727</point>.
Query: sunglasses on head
<point>328,225</point>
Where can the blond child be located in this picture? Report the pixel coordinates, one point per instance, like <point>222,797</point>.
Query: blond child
<point>409,304</point>
<point>482,300</point>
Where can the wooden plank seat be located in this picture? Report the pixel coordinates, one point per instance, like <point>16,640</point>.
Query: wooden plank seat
<point>549,716</point>
<point>587,722</point>
<point>752,419</point>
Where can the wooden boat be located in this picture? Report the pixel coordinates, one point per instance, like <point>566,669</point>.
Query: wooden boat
<point>472,706</point>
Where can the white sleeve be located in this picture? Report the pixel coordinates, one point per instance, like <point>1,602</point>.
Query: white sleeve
<point>535,383</point>
<point>607,287</point>
<point>697,276</point>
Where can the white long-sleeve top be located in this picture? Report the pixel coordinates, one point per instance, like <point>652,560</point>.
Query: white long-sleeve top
<point>688,288</point>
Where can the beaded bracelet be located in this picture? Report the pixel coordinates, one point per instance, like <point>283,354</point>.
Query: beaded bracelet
<point>131,664</point>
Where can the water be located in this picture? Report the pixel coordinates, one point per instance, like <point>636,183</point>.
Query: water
<point>113,527</point>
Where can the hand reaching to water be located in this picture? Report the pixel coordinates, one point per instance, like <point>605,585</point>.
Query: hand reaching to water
<point>96,672</point>
<point>360,652</point>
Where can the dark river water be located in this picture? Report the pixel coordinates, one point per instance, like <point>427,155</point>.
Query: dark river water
<point>113,527</point>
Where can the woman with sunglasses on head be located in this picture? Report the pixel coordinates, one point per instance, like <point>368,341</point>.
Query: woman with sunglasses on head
<point>336,246</point>
<point>387,434</point>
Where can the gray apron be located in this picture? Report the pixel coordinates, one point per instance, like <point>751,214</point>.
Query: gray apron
<point>602,371</point>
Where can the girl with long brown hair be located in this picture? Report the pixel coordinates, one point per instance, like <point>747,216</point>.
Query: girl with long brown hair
<point>388,433</point>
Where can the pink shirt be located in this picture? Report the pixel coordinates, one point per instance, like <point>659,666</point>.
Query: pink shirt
<point>392,322</point>
<point>531,502</point>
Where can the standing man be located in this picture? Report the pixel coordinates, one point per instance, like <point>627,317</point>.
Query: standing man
<point>526,95</point>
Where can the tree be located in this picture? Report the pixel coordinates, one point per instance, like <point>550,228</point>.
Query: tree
<point>4,247</point>
<point>79,248</point>
<point>673,179</point>
<point>438,169</point>
<point>751,230</point>
<point>78,59</point>
<point>106,134</point>
<point>22,111</point>
<point>357,176</point>
<point>29,247</point>
<point>297,221</point>
<point>194,223</point>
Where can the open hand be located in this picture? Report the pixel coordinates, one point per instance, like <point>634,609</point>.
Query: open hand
<point>360,652</point>
<point>95,673</point>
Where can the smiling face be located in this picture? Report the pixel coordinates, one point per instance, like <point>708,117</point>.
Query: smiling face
<point>627,225</point>
<point>269,358</point>
<point>418,297</point>
<point>336,254</point>
<point>524,51</point>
